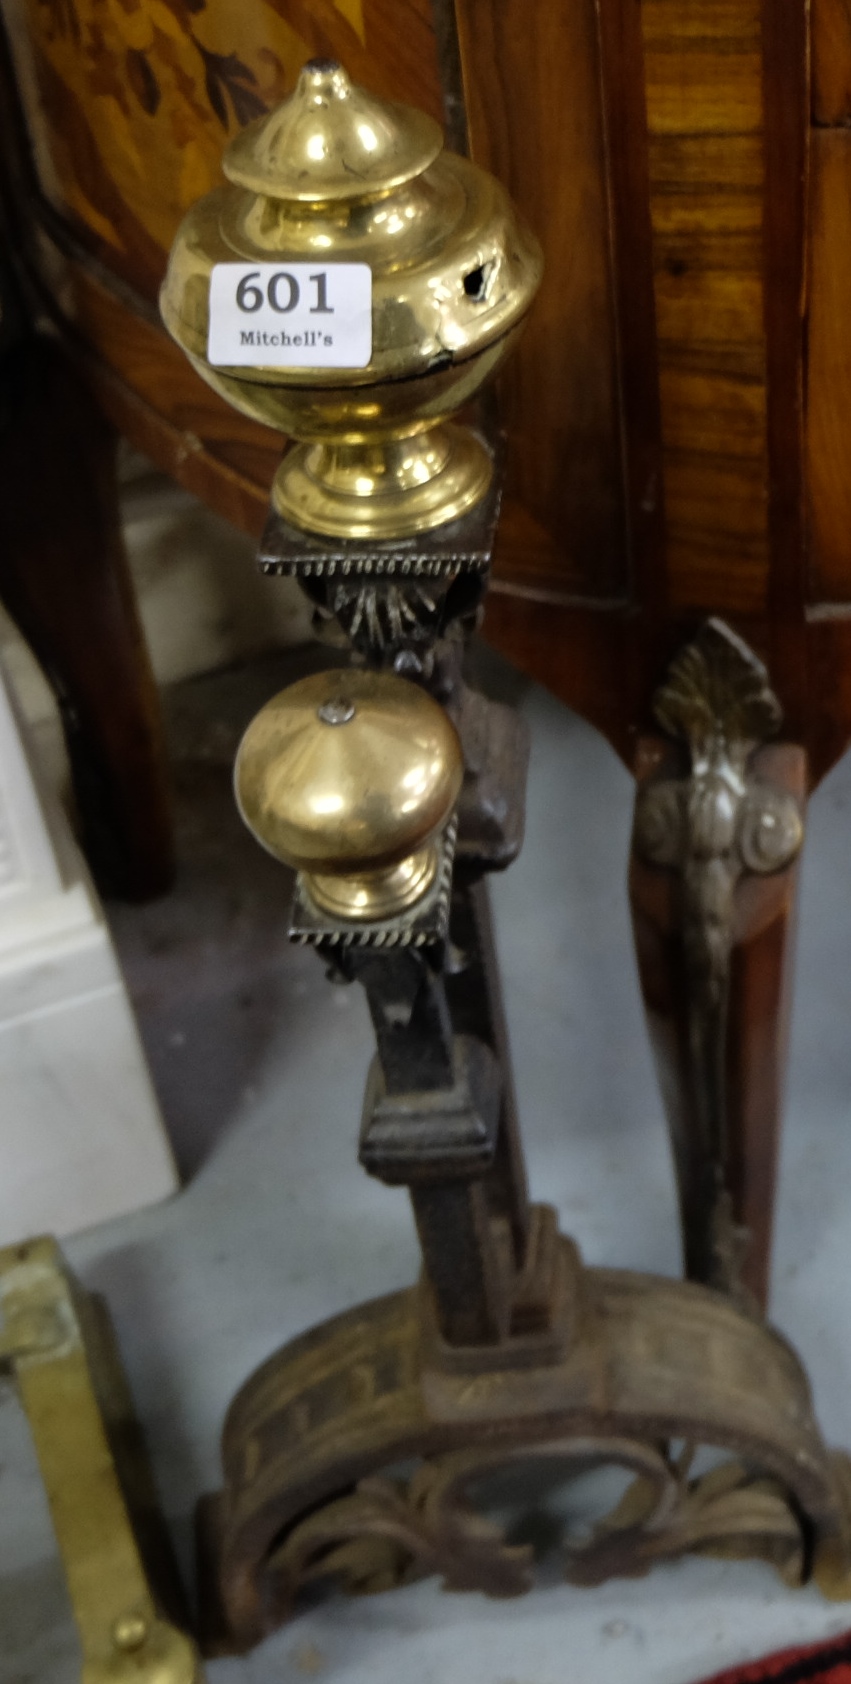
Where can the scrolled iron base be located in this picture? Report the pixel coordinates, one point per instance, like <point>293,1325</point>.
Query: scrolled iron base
<point>650,1369</point>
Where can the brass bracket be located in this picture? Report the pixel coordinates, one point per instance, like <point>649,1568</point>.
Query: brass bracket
<point>58,1347</point>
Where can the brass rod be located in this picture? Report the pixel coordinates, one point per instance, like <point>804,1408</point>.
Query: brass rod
<point>123,1633</point>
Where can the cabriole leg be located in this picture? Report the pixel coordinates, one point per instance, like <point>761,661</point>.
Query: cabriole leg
<point>718,829</point>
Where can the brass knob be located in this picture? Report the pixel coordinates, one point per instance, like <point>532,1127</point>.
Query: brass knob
<point>337,176</point>
<point>350,776</point>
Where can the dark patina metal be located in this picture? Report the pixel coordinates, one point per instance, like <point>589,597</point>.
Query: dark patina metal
<point>509,1349</point>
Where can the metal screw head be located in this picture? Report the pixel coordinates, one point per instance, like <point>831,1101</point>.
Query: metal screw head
<point>338,710</point>
<point>129,1632</point>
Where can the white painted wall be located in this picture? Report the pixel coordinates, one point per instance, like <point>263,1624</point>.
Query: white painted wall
<point>81,1137</point>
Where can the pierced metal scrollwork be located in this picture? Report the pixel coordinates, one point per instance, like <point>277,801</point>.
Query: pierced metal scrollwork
<point>713,827</point>
<point>388,1532</point>
<point>390,1465</point>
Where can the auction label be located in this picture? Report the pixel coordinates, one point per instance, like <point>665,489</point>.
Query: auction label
<point>298,315</point>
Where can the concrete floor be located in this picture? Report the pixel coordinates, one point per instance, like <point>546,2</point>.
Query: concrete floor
<point>260,1066</point>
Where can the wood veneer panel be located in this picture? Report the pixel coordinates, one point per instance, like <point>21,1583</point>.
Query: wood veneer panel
<point>237,499</point>
<point>531,81</point>
<point>131,105</point>
<point>831,50</point>
<point>703,82</point>
<point>786,137</point>
<point>149,368</point>
<point>627,147</point>
<point>828,425</point>
<point>578,654</point>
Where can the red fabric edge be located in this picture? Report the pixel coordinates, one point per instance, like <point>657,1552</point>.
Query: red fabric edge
<point>816,1663</point>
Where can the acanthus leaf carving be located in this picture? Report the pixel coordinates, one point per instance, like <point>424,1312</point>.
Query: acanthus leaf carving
<point>718,692</point>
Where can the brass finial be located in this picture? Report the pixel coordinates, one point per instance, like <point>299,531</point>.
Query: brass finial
<point>422,249</point>
<point>331,140</point>
<point>349,776</point>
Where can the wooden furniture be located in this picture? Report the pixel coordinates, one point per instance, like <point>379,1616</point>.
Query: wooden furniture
<point>678,406</point>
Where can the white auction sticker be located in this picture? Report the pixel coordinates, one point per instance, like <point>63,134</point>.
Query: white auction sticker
<point>294,315</point>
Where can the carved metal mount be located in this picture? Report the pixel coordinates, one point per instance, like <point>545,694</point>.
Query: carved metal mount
<point>714,826</point>
<point>718,822</point>
<point>393,622</point>
<point>393,600</point>
<point>440,554</point>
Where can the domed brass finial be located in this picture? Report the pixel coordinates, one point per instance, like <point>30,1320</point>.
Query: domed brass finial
<point>331,140</point>
<point>349,776</point>
<point>353,285</point>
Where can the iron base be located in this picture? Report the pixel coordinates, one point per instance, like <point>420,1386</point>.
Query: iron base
<point>646,1371</point>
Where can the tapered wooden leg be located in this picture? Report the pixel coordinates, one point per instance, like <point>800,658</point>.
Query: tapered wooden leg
<point>721,1063</point>
<point>719,822</point>
<point>64,578</point>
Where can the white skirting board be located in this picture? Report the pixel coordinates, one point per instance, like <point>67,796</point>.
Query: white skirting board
<point>81,1136</point>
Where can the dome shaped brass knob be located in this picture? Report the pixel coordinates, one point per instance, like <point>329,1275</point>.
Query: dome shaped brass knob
<point>350,776</point>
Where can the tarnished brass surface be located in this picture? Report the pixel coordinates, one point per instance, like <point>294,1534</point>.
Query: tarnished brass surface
<point>339,175</point>
<point>356,489</point>
<point>349,776</point>
<point>647,1364</point>
<point>124,1635</point>
<point>425,561</point>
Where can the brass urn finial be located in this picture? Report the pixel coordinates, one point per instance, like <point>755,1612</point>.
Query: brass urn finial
<point>354,285</point>
<point>350,776</point>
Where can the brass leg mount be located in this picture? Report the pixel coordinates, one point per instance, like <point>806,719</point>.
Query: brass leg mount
<point>58,1345</point>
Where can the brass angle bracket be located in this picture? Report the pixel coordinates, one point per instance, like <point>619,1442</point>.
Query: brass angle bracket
<point>57,1342</point>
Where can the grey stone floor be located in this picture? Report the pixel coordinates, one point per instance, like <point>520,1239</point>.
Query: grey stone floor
<point>260,1065</point>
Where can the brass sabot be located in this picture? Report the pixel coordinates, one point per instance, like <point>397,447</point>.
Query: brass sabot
<point>336,175</point>
<point>349,776</point>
